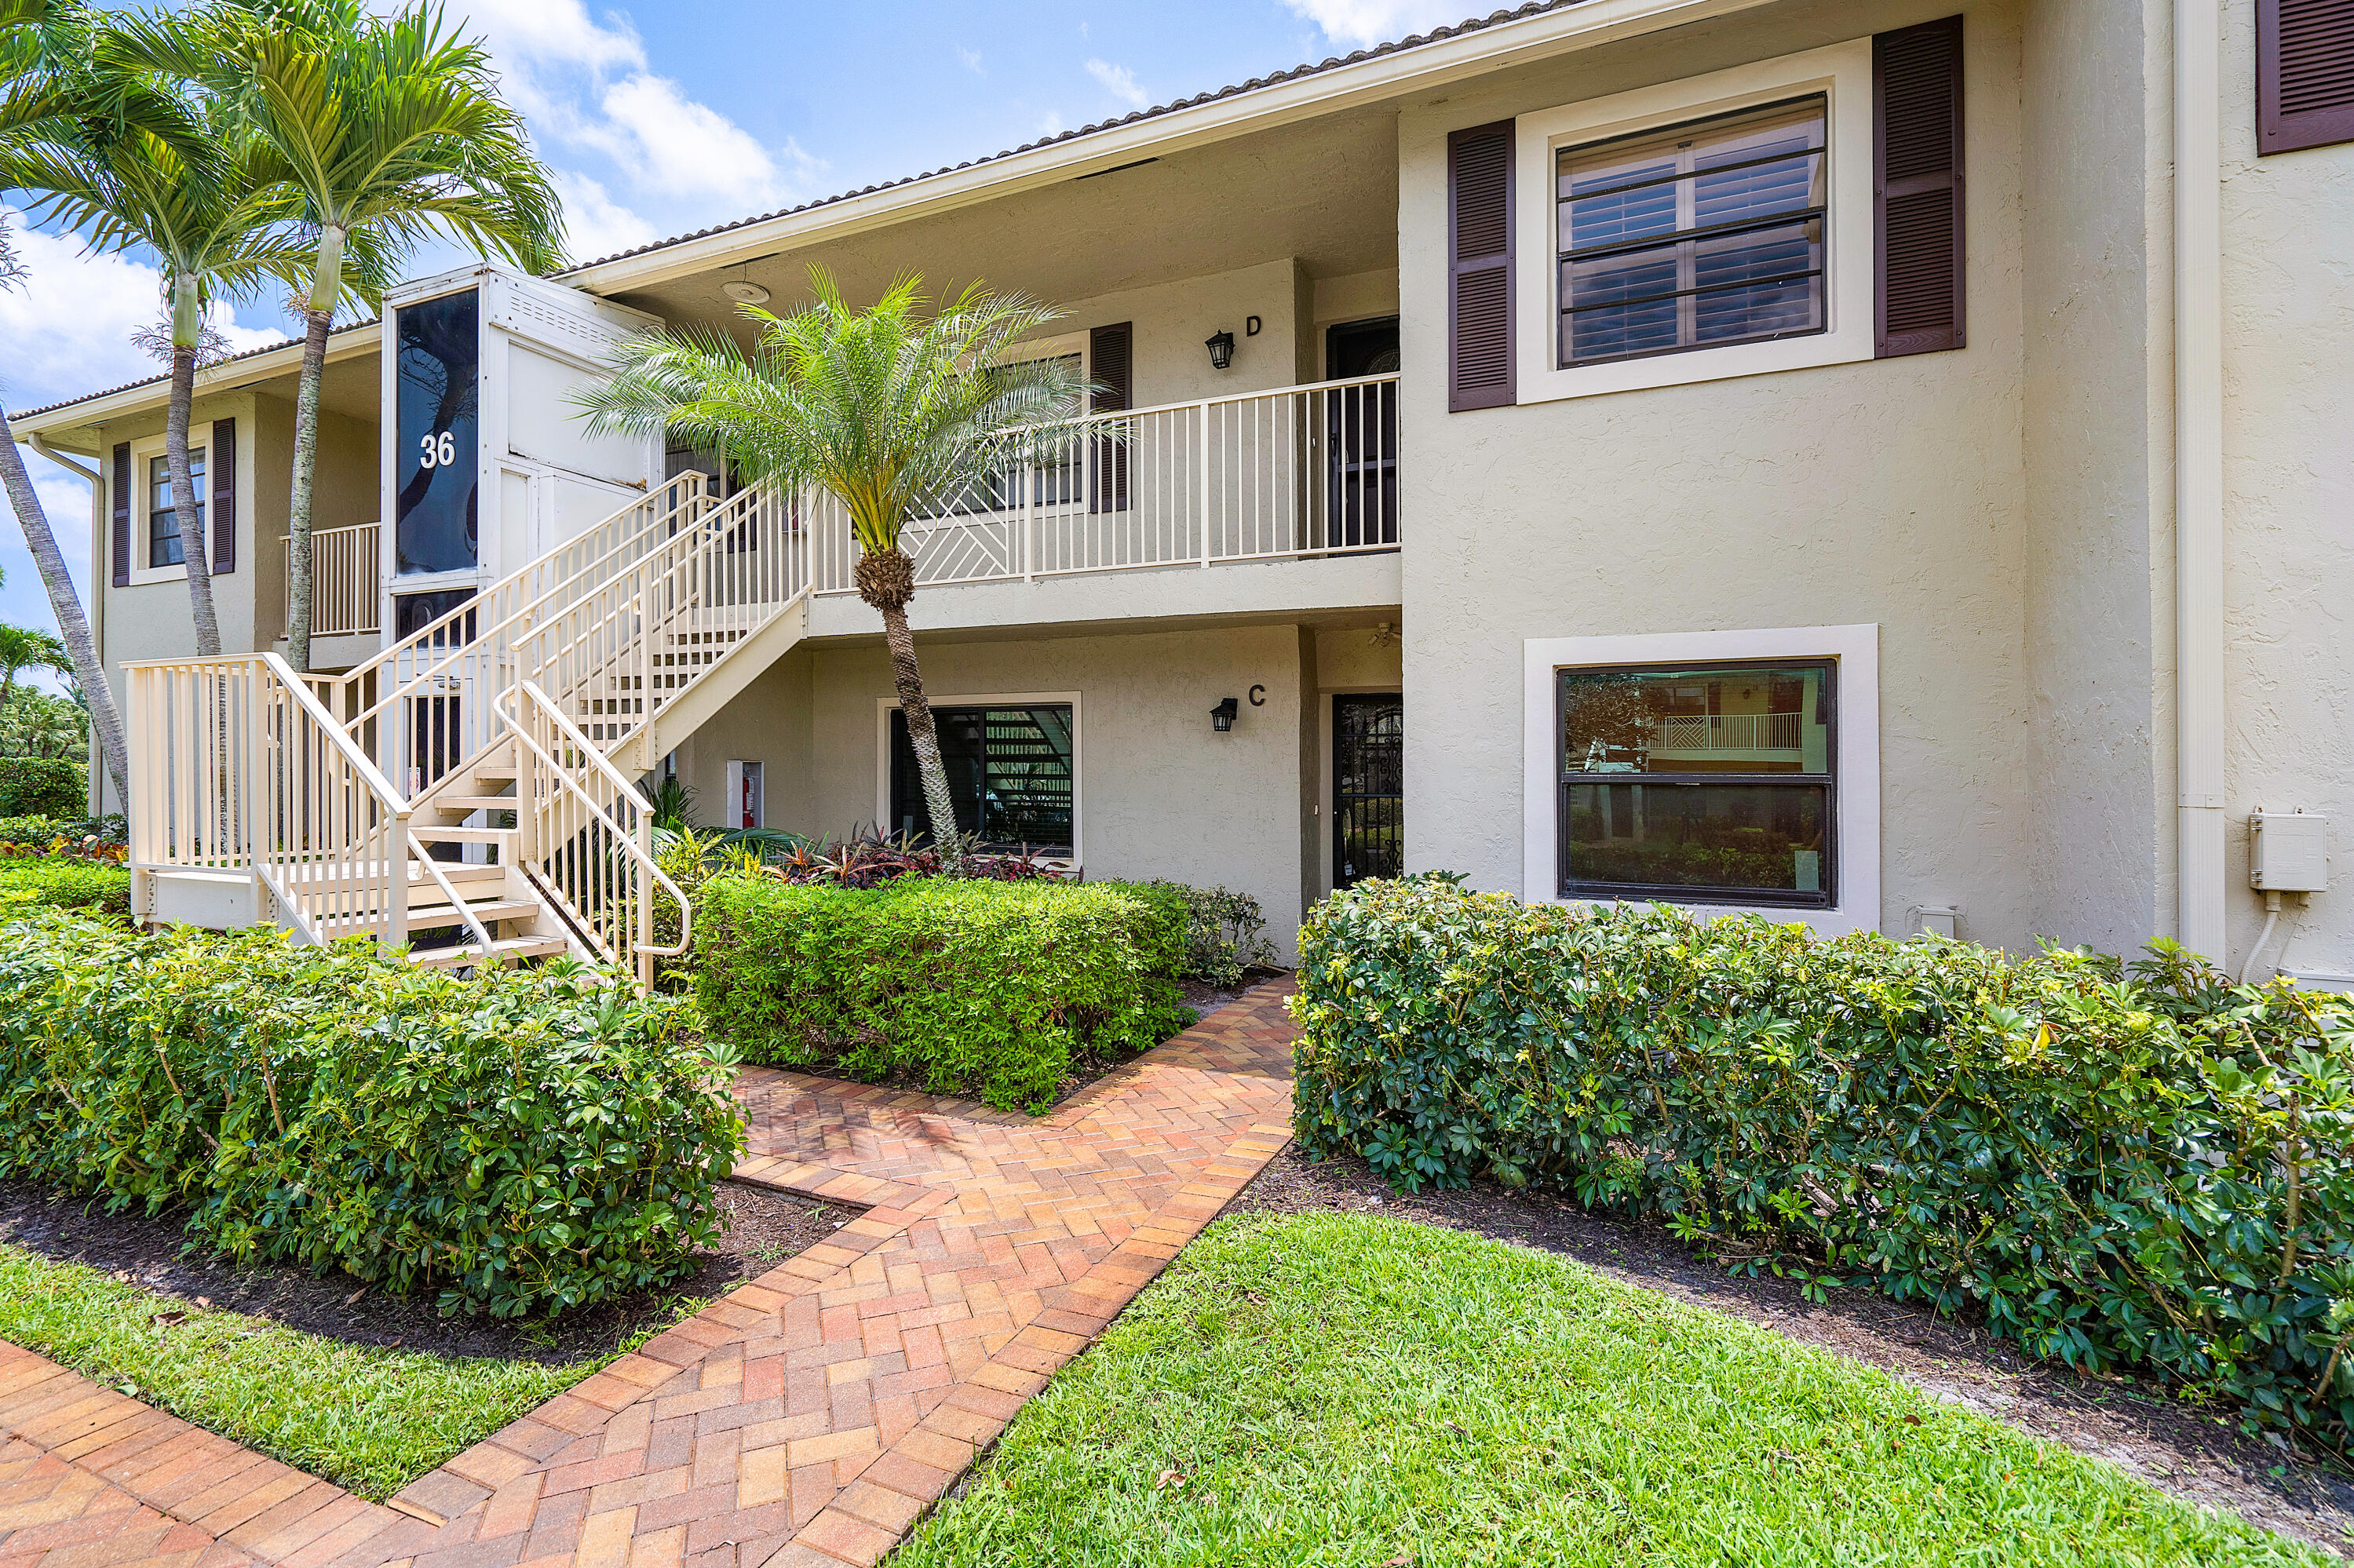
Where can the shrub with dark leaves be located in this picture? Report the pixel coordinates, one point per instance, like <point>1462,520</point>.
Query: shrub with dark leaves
<point>2116,1164</point>
<point>518,1143</point>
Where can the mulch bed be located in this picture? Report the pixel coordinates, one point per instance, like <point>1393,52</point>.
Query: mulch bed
<point>765,1229</point>
<point>2194,1452</point>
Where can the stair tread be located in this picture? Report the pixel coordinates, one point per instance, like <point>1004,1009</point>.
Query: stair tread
<point>473,952</point>
<point>474,802</point>
<point>448,915</point>
<point>435,834</point>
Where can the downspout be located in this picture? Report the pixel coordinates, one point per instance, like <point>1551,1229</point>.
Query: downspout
<point>96,608</point>
<point>2198,480</point>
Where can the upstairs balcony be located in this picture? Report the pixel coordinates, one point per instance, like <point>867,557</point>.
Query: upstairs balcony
<point>1297,474</point>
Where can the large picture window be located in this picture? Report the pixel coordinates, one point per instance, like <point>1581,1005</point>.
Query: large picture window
<point>1011,775</point>
<point>1703,234</point>
<point>1708,784</point>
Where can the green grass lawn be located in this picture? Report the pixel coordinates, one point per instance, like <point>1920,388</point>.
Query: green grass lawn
<point>1346,1390</point>
<point>371,1419</point>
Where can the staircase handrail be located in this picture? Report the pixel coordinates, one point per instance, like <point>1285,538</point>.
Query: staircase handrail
<point>691,484</point>
<point>598,762</point>
<point>363,767</point>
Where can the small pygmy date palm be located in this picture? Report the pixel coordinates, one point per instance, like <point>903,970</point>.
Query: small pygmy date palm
<point>895,409</point>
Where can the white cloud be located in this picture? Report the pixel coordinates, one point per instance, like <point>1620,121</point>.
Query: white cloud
<point>972,58</point>
<point>1119,81</point>
<point>669,142</point>
<point>595,225</point>
<point>1051,125</point>
<point>584,83</point>
<point>67,327</point>
<point>1369,22</point>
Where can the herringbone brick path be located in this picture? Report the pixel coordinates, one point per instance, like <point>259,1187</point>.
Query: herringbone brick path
<point>802,1421</point>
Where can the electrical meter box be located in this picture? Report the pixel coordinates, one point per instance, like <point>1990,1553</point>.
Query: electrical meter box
<point>2288,852</point>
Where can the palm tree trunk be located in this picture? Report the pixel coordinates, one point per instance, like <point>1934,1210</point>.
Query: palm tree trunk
<point>66,605</point>
<point>886,579</point>
<point>306,470</point>
<point>317,316</point>
<point>194,549</point>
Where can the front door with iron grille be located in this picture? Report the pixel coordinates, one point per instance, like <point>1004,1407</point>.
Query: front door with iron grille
<point>1368,787</point>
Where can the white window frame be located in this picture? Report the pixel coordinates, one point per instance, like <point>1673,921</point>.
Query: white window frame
<point>1856,650</point>
<point>143,453</point>
<point>1843,74</point>
<point>886,706</point>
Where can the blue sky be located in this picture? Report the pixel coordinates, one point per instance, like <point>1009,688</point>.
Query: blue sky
<point>661,118</point>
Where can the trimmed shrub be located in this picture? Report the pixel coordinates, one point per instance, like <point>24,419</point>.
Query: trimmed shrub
<point>2116,1163</point>
<point>63,882</point>
<point>43,786</point>
<point>520,1143</point>
<point>1226,933</point>
<point>43,831</point>
<point>984,987</point>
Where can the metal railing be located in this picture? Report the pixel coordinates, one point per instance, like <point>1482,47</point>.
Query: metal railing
<point>1299,470</point>
<point>586,835</point>
<point>238,768</point>
<point>343,598</point>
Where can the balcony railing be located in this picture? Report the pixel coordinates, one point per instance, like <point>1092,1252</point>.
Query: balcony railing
<point>1303,471</point>
<point>342,581</point>
<point>1726,732</point>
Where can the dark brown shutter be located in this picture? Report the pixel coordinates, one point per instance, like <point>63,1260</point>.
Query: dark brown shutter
<point>220,512</point>
<point>123,514</point>
<point>1480,267</point>
<point>1111,365</point>
<point>1916,176</point>
<point>2305,74</point>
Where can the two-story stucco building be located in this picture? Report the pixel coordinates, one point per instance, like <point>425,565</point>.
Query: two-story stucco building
<point>1858,459</point>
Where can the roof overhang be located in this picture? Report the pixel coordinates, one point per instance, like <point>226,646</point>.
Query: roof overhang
<point>1397,74</point>
<point>266,364</point>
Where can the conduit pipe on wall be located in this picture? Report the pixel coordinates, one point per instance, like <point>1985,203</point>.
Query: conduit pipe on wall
<point>2197,479</point>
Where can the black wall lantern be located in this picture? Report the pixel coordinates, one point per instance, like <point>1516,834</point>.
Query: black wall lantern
<point>1221,349</point>
<point>1222,717</point>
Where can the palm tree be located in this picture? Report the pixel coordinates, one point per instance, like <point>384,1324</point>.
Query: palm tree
<point>893,409</point>
<point>24,648</point>
<point>42,45</point>
<point>219,224</point>
<point>386,130</point>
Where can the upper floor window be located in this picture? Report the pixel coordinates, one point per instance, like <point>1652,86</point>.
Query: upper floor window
<point>1704,233</point>
<point>163,545</point>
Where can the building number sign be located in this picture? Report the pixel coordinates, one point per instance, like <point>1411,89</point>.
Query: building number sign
<point>440,448</point>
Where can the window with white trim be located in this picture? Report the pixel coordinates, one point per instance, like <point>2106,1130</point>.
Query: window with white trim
<point>1707,783</point>
<point>1012,768</point>
<point>1701,234</point>
<point>164,546</point>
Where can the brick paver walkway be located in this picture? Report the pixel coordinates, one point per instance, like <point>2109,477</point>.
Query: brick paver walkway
<point>802,1421</point>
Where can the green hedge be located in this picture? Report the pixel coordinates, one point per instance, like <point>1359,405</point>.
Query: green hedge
<point>520,1143</point>
<point>74,828</point>
<point>43,787</point>
<point>63,882</point>
<point>984,987</point>
<point>2114,1164</point>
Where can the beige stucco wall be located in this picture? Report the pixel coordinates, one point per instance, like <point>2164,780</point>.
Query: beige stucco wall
<point>1889,492</point>
<point>152,621</point>
<point>1174,320</point>
<point>2288,370</point>
<point>2099,608</point>
<point>1159,793</point>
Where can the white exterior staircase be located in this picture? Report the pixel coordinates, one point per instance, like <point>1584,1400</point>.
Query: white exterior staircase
<point>465,795</point>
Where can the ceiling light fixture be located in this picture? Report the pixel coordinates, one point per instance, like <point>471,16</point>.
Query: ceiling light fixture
<point>744,292</point>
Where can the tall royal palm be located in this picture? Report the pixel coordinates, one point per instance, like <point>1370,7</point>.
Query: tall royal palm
<point>43,48</point>
<point>892,409</point>
<point>219,226</point>
<point>387,130</point>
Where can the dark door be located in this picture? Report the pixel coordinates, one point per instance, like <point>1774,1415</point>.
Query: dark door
<point>1368,787</point>
<point>1361,431</point>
